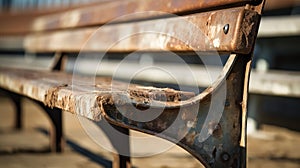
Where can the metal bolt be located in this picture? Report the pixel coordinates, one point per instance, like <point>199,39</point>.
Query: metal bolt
<point>225,156</point>
<point>226,28</point>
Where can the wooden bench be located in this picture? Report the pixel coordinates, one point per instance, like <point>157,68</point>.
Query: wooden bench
<point>210,125</point>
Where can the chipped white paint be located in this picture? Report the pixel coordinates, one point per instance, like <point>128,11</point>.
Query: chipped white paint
<point>175,33</point>
<point>85,104</point>
<point>214,30</point>
<point>190,124</point>
<point>216,43</point>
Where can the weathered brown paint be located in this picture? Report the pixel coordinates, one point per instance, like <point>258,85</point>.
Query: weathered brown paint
<point>197,32</point>
<point>21,22</point>
<point>114,11</point>
<point>55,89</point>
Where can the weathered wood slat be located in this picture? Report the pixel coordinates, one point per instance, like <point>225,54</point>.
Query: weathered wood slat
<point>280,26</point>
<point>275,83</point>
<point>26,62</point>
<point>197,32</point>
<point>55,89</point>
<point>271,82</point>
<point>275,4</point>
<point>11,42</point>
<point>16,24</point>
<point>21,22</point>
<point>103,13</point>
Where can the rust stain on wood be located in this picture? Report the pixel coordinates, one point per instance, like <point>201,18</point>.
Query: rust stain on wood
<point>56,89</point>
<point>52,94</point>
<point>197,32</point>
<point>120,11</point>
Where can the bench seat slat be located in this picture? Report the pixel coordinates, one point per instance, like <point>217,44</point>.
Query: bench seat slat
<point>197,32</point>
<point>102,13</point>
<point>55,89</point>
<point>11,42</point>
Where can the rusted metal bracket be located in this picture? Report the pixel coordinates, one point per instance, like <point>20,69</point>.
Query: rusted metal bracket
<point>215,138</point>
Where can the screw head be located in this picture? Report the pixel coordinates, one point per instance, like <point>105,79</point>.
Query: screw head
<point>226,28</point>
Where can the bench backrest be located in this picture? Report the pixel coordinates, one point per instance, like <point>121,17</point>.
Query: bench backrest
<point>223,26</point>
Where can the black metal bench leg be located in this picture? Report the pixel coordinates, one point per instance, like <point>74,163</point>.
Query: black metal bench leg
<point>120,141</point>
<point>55,115</point>
<point>56,133</point>
<point>17,100</point>
<point>121,161</point>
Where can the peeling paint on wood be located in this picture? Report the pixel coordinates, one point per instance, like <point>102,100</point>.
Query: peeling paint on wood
<point>118,9</point>
<point>197,32</point>
<point>56,89</point>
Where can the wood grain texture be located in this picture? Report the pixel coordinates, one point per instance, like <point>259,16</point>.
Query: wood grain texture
<point>11,42</point>
<point>275,4</point>
<point>275,83</point>
<point>84,97</point>
<point>280,26</point>
<point>102,13</point>
<point>21,22</point>
<point>197,32</point>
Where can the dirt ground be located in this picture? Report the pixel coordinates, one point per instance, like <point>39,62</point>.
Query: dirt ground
<point>272,147</point>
